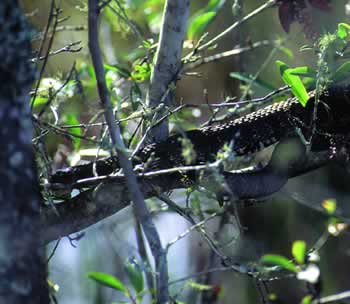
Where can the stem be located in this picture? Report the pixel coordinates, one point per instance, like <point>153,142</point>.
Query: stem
<point>139,205</point>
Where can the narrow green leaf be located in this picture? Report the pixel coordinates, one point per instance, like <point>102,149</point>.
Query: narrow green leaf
<point>215,5</point>
<point>297,86</point>
<point>343,30</point>
<point>257,82</point>
<point>135,276</point>
<point>303,71</point>
<point>108,280</point>
<point>278,260</point>
<point>199,24</point>
<point>287,51</point>
<point>342,72</point>
<point>299,251</point>
<point>120,70</point>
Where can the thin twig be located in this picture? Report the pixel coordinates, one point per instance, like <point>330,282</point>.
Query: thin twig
<point>257,11</point>
<point>68,48</point>
<point>52,97</point>
<point>226,54</point>
<point>54,13</point>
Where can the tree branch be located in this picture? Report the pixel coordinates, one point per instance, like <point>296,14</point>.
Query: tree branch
<point>139,206</point>
<point>112,195</point>
<point>168,59</point>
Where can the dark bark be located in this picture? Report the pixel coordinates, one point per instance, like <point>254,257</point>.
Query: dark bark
<point>23,270</point>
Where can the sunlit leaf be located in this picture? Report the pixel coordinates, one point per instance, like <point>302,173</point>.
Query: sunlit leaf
<point>307,299</point>
<point>299,251</point>
<point>278,260</point>
<point>297,86</point>
<point>330,205</point>
<point>141,72</point>
<point>214,5</point>
<point>39,101</point>
<point>303,71</point>
<point>108,280</point>
<point>343,30</point>
<point>199,24</point>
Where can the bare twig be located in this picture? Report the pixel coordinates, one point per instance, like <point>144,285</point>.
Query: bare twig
<point>255,100</point>
<point>139,206</point>
<point>52,97</point>
<point>68,48</point>
<point>230,53</point>
<point>257,11</point>
<point>54,14</point>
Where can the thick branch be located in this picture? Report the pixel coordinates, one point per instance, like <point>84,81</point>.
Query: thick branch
<point>111,196</point>
<point>168,59</point>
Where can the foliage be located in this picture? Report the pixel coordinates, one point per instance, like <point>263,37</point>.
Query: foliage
<point>68,108</point>
<point>135,277</point>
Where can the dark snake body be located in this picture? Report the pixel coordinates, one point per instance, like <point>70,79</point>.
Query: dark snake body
<point>247,134</point>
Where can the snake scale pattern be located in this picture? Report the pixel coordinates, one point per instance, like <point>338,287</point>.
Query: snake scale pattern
<point>247,134</point>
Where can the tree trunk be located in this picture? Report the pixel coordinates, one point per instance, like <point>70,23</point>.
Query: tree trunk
<point>22,267</point>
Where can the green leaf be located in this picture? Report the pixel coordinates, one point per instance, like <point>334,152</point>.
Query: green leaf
<point>299,251</point>
<point>343,30</point>
<point>120,70</point>
<point>135,276</point>
<point>257,82</point>
<point>215,5</point>
<point>303,71</point>
<point>287,51</point>
<point>39,101</point>
<point>199,24</point>
<point>278,260</point>
<point>330,205</point>
<point>141,72</point>
<point>71,119</point>
<point>342,72</point>
<point>297,86</point>
<point>307,299</point>
<point>108,280</point>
